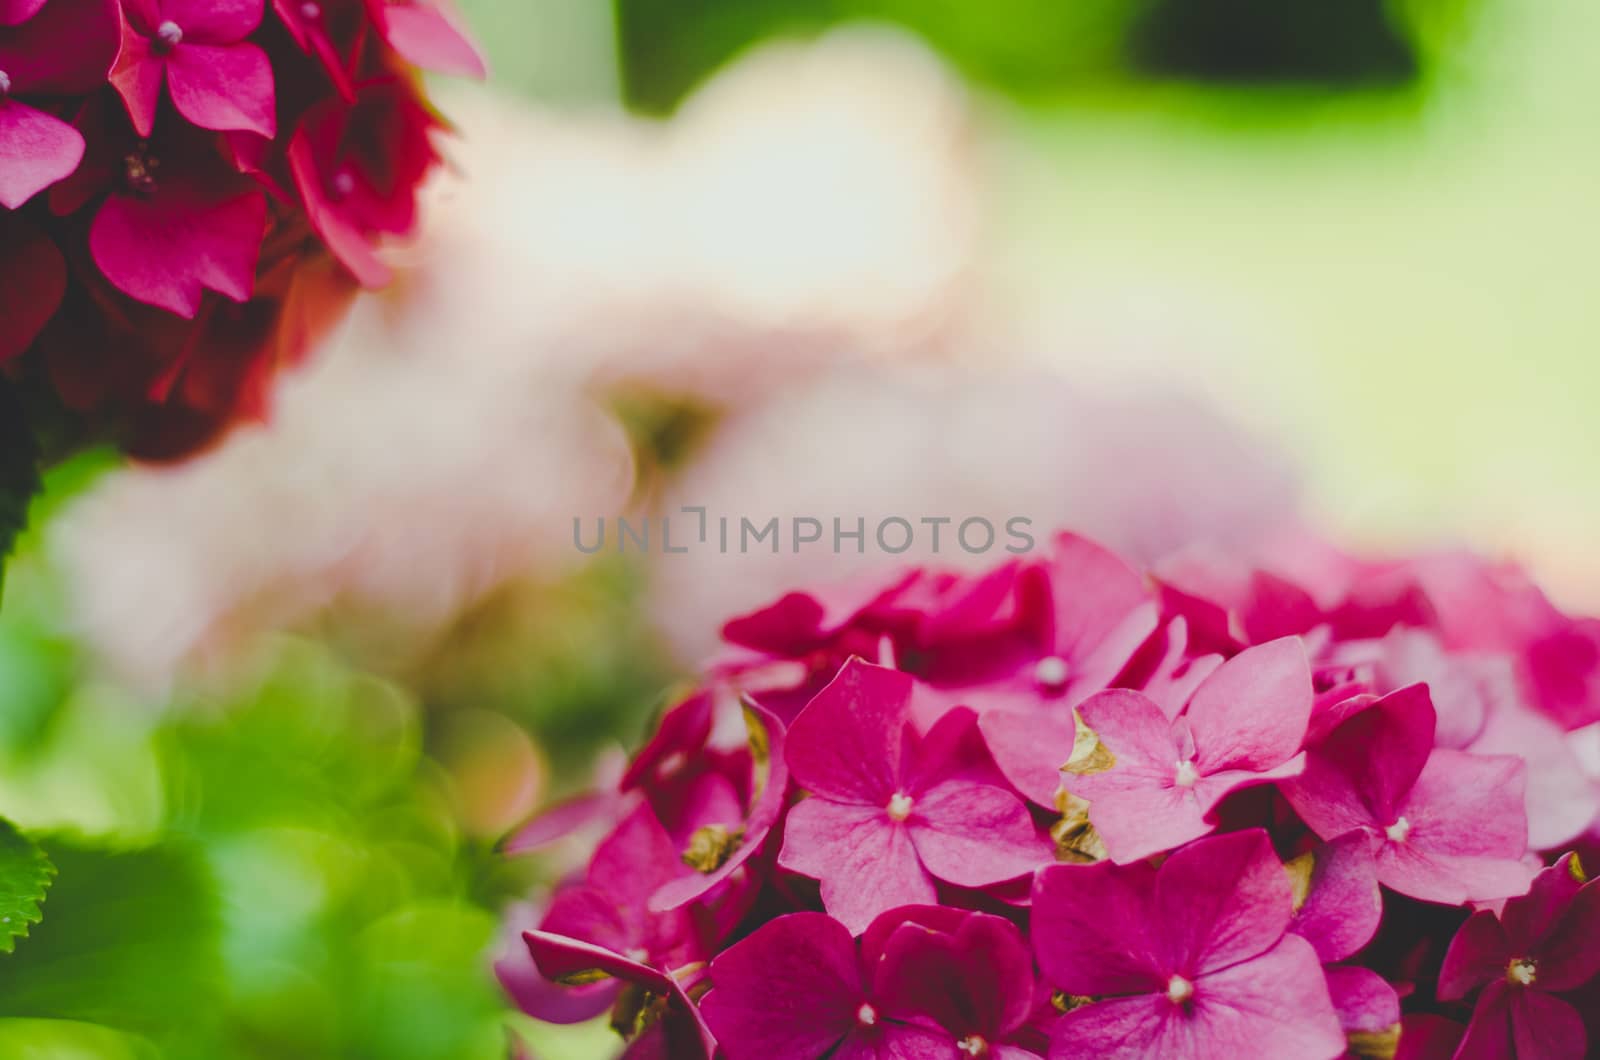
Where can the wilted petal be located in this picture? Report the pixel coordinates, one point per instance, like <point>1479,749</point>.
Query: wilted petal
<point>226,88</point>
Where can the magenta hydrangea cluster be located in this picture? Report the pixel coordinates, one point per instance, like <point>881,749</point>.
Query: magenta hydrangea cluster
<point>1298,806</point>
<point>190,188</point>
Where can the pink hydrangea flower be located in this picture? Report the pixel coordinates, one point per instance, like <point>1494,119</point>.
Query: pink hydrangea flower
<point>1194,959</point>
<point>1539,945</point>
<point>922,983</point>
<point>889,812</point>
<point>54,49</point>
<point>215,77</point>
<point>1449,826</point>
<point>1243,726</point>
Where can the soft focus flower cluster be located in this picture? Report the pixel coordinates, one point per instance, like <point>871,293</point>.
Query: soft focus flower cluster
<point>189,189</point>
<point>1297,805</point>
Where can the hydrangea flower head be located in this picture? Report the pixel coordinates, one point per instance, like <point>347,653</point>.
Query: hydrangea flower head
<point>218,175</point>
<point>1288,820</point>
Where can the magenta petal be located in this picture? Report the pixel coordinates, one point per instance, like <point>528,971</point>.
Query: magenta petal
<point>1428,1037</point>
<point>426,36</point>
<point>1142,1027</point>
<point>15,12</point>
<point>344,237</point>
<point>1561,799</point>
<point>1364,1000</point>
<point>846,743</point>
<point>1480,952</point>
<point>1343,905</point>
<point>791,989</point>
<point>892,1042</point>
<point>1221,901</point>
<point>1274,1005</point>
<point>973,834</point>
<point>1253,711</point>
<point>223,87</point>
<point>138,78</point>
<point>1091,928</point>
<point>64,50</point>
<point>36,150</point>
<point>560,959</point>
<point>975,980</point>
<point>1545,1026</point>
<point>1557,923</point>
<point>864,861</point>
<point>168,248</point>
<point>214,21</point>
<point>33,277</point>
<point>1029,747</point>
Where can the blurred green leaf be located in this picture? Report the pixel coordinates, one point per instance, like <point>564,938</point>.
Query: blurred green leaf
<point>25,875</point>
<point>131,942</point>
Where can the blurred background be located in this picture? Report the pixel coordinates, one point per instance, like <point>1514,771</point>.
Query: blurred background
<point>1167,271</point>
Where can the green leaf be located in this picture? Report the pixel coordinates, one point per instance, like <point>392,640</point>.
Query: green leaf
<point>19,471</point>
<point>25,875</point>
<point>131,942</point>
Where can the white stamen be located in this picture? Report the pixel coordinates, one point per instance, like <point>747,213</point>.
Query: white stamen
<point>899,806</point>
<point>169,33</point>
<point>310,11</point>
<point>1522,971</point>
<point>972,1045</point>
<point>638,955</point>
<point>1186,775</point>
<point>1398,831</point>
<point>343,184</point>
<point>866,1015</point>
<point>1179,990</point>
<point>1051,672</point>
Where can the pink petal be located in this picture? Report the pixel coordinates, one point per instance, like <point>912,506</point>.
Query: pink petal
<point>1561,799</point>
<point>790,989</point>
<point>333,223</point>
<point>1029,748</point>
<point>1557,923</point>
<point>1221,901</point>
<point>847,743</point>
<point>1253,711</point>
<point>559,821</point>
<point>1479,953</point>
<point>1142,1027</point>
<point>214,21</point>
<point>1092,929</point>
<point>428,37</point>
<point>64,50</point>
<point>682,734</point>
<point>864,861</point>
<point>138,78</point>
<point>973,835</point>
<point>1343,906</point>
<point>1364,1000</point>
<point>561,958</point>
<point>36,150</point>
<point>168,248</point>
<point>1274,1005</point>
<point>33,278</point>
<point>891,1042</point>
<point>1466,811</point>
<point>1092,592</point>
<point>1135,805</point>
<point>223,87</point>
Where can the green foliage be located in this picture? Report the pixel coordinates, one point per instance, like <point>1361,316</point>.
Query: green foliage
<point>25,875</point>
<point>130,942</point>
